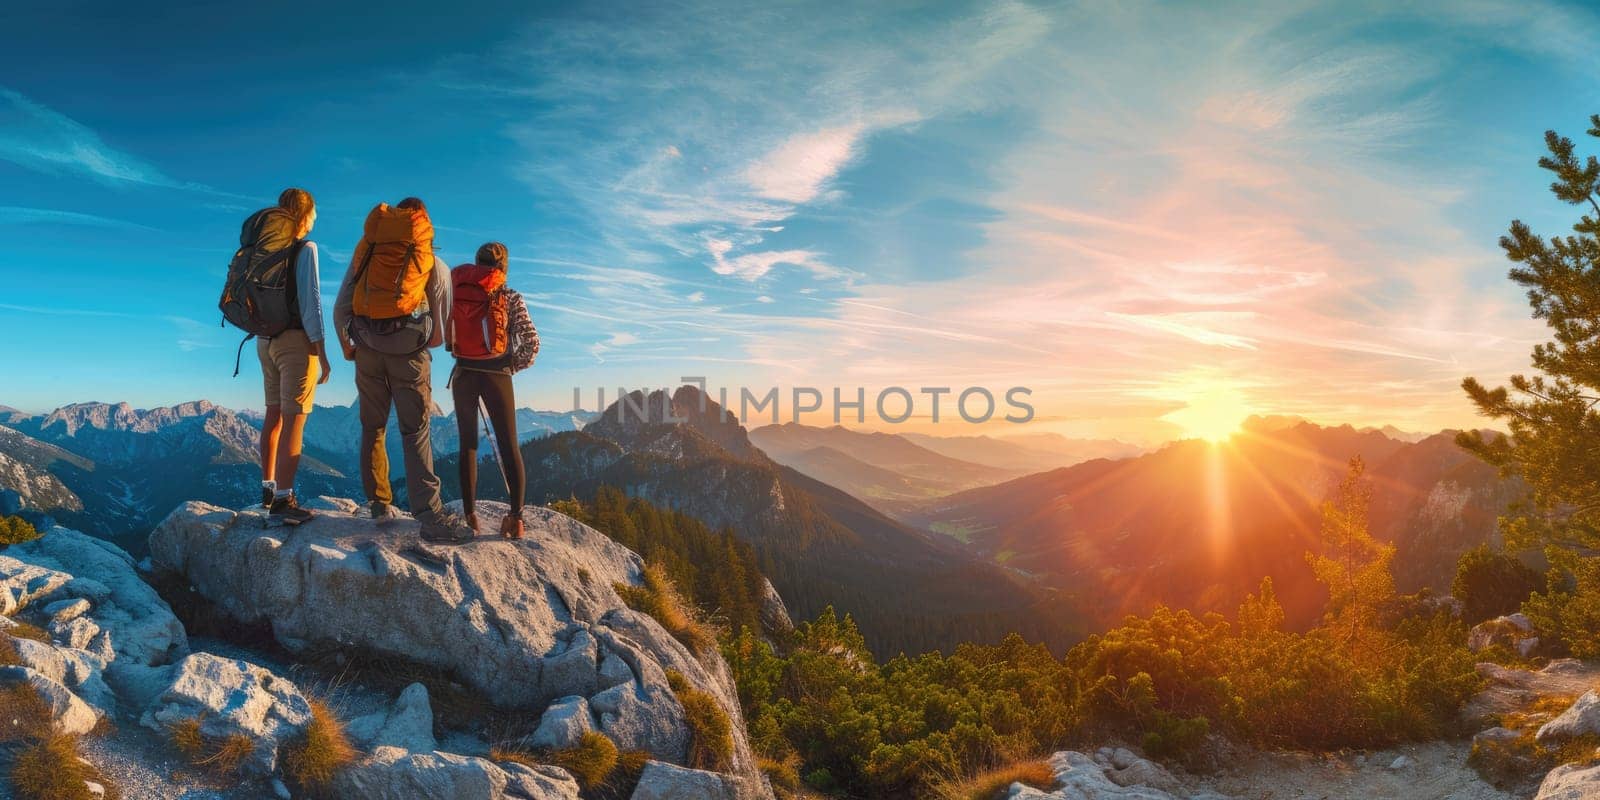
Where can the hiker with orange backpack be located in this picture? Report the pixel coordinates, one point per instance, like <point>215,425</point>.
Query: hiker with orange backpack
<point>273,293</point>
<point>393,306</point>
<point>492,338</point>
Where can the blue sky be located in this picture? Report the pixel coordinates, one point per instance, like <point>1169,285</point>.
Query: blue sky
<point>1140,210</point>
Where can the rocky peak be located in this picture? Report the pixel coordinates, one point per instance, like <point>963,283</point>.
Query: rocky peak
<point>638,416</point>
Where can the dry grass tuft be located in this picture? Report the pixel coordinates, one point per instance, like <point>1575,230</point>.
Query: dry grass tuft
<point>220,756</point>
<point>312,760</point>
<point>783,775</point>
<point>992,784</point>
<point>659,598</point>
<point>710,730</point>
<point>50,769</point>
<point>590,761</point>
<point>186,737</point>
<point>8,653</point>
<point>624,779</point>
<point>228,754</point>
<point>24,715</point>
<point>27,630</point>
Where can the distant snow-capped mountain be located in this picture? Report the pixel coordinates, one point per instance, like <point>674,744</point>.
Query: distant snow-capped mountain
<point>114,470</point>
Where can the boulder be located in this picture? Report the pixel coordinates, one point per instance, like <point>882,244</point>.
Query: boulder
<point>1513,632</point>
<point>233,697</point>
<point>409,725</point>
<point>669,782</point>
<point>522,623</point>
<point>68,712</point>
<point>1580,719</point>
<point>391,773</point>
<point>563,724</point>
<point>1570,782</point>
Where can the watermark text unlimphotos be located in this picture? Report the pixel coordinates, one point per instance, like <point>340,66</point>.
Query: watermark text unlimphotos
<point>893,404</point>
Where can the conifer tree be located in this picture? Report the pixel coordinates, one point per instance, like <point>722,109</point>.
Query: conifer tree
<point>1353,565</point>
<point>1554,442</point>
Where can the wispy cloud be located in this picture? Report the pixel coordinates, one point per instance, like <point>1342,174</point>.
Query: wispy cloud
<point>798,169</point>
<point>17,215</point>
<point>40,138</point>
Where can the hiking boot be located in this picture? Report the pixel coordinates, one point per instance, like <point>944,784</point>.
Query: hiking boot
<point>511,526</point>
<point>383,512</point>
<point>442,527</point>
<point>266,497</point>
<point>286,511</point>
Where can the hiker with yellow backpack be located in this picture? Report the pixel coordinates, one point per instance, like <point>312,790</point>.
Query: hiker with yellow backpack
<point>492,338</point>
<point>273,294</point>
<point>392,307</point>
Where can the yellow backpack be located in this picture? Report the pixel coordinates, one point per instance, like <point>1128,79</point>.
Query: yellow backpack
<point>395,257</point>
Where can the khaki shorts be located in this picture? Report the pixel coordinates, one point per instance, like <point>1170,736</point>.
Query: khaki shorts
<point>289,371</point>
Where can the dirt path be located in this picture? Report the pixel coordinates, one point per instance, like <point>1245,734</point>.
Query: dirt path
<point>1438,771</point>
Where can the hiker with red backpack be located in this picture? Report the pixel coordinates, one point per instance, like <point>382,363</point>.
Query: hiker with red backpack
<point>273,293</point>
<point>492,338</point>
<point>393,306</point>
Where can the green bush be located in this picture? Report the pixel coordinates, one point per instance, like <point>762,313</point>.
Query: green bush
<point>1490,583</point>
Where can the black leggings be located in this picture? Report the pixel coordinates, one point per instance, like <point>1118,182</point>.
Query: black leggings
<point>494,389</point>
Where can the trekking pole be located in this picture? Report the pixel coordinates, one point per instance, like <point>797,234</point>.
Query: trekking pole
<point>494,447</point>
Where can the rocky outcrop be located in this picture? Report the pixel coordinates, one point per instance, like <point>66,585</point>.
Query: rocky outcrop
<point>106,624</point>
<point>522,623</point>
<point>1110,775</point>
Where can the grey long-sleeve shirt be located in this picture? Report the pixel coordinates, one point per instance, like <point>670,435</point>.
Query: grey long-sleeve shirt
<point>437,292</point>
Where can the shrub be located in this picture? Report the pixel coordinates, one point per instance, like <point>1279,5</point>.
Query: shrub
<point>1490,583</point>
<point>16,530</point>
<point>51,769</point>
<point>992,784</point>
<point>710,731</point>
<point>660,599</point>
<point>317,755</point>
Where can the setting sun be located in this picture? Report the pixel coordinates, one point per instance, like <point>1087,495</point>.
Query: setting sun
<point>1211,412</point>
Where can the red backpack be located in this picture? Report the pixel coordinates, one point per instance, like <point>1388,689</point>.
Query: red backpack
<point>479,313</point>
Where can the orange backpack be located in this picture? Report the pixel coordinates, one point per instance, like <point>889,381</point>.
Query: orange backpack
<point>395,256</point>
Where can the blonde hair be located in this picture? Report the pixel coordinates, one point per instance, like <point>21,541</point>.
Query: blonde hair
<point>299,204</point>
